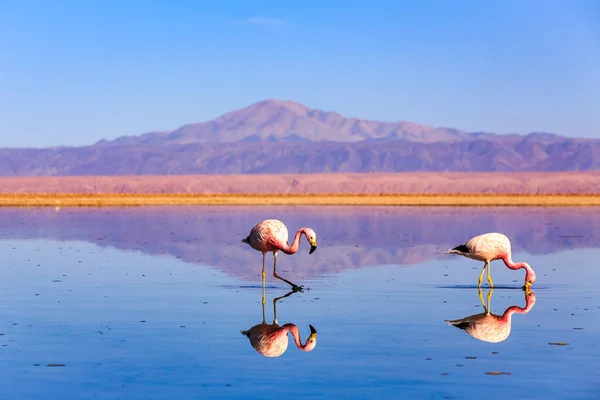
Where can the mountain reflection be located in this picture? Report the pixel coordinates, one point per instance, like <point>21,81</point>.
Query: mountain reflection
<point>489,327</point>
<point>349,237</point>
<point>271,340</point>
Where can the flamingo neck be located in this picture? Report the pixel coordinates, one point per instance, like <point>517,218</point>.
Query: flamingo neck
<point>512,310</point>
<point>530,301</point>
<point>293,329</point>
<point>513,265</point>
<point>295,244</point>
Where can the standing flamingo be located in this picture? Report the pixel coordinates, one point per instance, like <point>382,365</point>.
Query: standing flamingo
<point>492,328</point>
<point>272,235</point>
<point>489,247</point>
<point>271,340</point>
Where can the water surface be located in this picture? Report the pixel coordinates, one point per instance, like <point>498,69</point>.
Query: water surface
<point>149,303</point>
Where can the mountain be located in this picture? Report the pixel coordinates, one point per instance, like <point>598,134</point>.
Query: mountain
<point>287,121</point>
<point>286,137</point>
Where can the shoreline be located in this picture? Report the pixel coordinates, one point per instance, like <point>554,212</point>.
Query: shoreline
<point>317,199</point>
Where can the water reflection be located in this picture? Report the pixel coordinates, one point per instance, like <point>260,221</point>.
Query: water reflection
<point>350,237</point>
<point>489,327</point>
<point>271,340</point>
<point>99,311</point>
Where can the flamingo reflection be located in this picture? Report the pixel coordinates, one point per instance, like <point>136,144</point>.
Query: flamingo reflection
<point>271,340</point>
<point>489,327</point>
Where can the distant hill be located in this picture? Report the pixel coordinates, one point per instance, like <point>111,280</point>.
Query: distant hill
<point>286,137</point>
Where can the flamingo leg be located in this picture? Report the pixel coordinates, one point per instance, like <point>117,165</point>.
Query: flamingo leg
<point>489,300</point>
<point>489,277</point>
<point>263,301</point>
<point>481,276</point>
<point>264,275</point>
<point>275,300</point>
<point>481,300</point>
<point>295,287</point>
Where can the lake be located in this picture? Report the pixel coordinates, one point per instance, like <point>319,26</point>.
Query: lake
<point>149,303</point>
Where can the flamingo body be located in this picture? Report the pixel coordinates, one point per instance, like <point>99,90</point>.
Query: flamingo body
<point>272,340</point>
<point>489,247</point>
<point>485,327</point>
<point>270,235</point>
<point>268,340</point>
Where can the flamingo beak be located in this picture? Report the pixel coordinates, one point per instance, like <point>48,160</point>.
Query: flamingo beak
<point>313,245</point>
<point>313,331</point>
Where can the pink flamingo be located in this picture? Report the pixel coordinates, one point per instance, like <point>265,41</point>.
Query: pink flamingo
<point>489,247</point>
<point>489,327</point>
<point>272,235</point>
<point>271,340</point>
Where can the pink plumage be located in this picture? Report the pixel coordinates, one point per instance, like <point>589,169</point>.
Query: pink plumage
<point>489,247</point>
<point>271,340</point>
<point>492,328</point>
<point>271,235</point>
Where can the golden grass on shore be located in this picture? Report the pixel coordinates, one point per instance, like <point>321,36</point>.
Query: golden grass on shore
<point>121,200</point>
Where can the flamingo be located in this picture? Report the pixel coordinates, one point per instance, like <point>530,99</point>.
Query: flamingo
<point>492,328</point>
<point>271,340</point>
<point>271,235</point>
<point>489,247</point>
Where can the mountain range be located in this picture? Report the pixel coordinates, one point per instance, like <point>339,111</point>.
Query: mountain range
<point>274,136</point>
<point>349,237</point>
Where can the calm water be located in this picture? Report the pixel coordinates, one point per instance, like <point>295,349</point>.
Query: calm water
<point>149,303</point>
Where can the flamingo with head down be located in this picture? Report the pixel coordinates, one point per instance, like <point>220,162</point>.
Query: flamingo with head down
<point>271,340</point>
<point>489,247</point>
<point>271,235</point>
<point>492,328</point>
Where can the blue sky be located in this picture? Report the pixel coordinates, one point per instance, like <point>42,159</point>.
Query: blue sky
<point>73,72</point>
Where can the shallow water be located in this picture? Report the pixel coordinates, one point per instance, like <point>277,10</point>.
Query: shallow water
<point>149,303</point>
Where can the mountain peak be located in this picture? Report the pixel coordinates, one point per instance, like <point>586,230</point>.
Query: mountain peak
<point>274,120</point>
<point>265,109</point>
<point>274,103</point>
